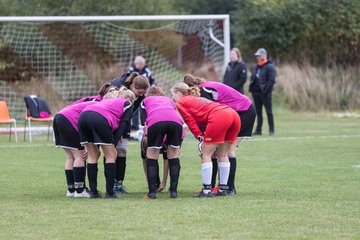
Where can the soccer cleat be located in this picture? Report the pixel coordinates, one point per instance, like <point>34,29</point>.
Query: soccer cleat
<point>95,195</point>
<point>70,194</point>
<point>215,189</point>
<point>220,193</point>
<point>202,194</point>
<point>119,188</point>
<point>231,192</point>
<point>113,195</point>
<point>150,196</point>
<point>83,194</point>
<point>173,194</point>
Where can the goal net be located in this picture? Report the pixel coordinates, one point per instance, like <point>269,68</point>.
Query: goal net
<point>65,58</point>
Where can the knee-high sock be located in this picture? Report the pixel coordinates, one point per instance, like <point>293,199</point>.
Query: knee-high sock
<point>206,171</point>
<point>92,169</point>
<point>70,180</point>
<point>214,172</point>
<point>110,169</point>
<point>120,168</point>
<point>231,181</point>
<point>174,168</point>
<point>79,177</point>
<point>152,168</point>
<point>224,169</point>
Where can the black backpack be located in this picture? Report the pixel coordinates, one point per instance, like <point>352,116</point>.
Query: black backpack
<point>37,107</point>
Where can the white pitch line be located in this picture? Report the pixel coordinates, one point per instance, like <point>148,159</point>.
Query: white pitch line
<point>304,138</point>
<point>252,139</point>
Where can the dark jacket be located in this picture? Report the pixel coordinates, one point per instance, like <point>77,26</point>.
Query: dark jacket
<point>262,78</point>
<point>143,72</point>
<point>235,75</point>
<point>121,81</point>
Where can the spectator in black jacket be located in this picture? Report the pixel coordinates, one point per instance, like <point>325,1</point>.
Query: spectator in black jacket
<point>140,67</point>
<point>261,86</point>
<point>235,74</point>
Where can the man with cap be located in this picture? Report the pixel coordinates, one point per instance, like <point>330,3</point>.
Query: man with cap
<point>261,86</point>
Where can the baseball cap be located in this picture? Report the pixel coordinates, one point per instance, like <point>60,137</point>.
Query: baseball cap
<point>261,51</point>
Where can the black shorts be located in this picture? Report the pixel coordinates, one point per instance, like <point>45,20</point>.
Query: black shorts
<point>66,136</point>
<point>247,119</point>
<point>157,132</point>
<point>94,128</point>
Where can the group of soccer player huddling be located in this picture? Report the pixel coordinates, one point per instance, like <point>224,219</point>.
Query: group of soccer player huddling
<point>217,115</point>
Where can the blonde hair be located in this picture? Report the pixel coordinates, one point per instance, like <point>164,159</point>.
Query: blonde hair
<point>184,89</point>
<point>192,81</point>
<point>238,53</point>
<point>112,93</point>
<point>126,93</point>
<point>155,91</point>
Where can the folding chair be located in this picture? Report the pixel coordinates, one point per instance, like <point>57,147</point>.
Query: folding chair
<point>36,105</point>
<point>5,118</point>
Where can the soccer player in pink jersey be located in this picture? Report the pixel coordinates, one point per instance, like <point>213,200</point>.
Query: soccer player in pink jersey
<point>162,119</point>
<point>102,124</point>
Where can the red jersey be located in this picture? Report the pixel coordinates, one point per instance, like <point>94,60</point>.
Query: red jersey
<point>195,111</point>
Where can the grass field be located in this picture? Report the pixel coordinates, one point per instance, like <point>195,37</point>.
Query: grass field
<point>303,183</point>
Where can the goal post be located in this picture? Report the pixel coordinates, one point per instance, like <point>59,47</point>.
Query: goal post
<point>64,58</point>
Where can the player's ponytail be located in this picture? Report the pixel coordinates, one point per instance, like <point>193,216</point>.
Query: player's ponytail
<point>192,81</point>
<point>104,89</point>
<point>195,91</point>
<point>130,78</point>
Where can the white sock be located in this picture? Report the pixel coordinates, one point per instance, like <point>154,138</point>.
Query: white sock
<point>206,173</point>
<point>224,170</point>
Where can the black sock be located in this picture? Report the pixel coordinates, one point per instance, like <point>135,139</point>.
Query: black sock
<point>120,168</point>
<point>174,168</point>
<point>214,172</point>
<point>79,176</point>
<point>92,169</point>
<point>231,180</point>
<point>110,169</point>
<point>70,180</point>
<point>152,168</point>
<point>85,173</point>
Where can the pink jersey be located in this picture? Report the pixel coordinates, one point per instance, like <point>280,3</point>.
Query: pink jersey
<point>73,111</point>
<point>158,109</point>
<point>228,96</point>
<point>112,109</point>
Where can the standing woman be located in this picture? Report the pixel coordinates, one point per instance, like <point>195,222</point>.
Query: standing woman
<point>161,119</point>
<point>138,85</point>
<point>223,94</point>
<point>236,71</point>
<point>222,126</point>
<point>102,124</point>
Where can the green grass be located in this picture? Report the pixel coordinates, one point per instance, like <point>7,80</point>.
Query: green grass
<point>299,184</point>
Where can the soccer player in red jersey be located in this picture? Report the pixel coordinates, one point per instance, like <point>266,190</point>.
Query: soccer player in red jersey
<point>222,127</point>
